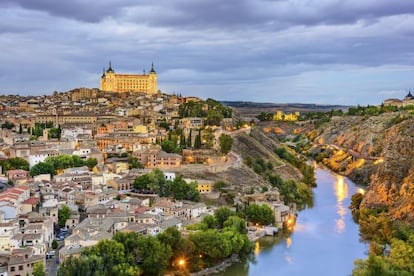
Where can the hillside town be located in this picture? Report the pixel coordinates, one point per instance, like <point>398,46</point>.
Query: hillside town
<point>72,165</point>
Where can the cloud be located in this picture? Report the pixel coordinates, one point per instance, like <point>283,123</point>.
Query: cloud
<point>286,50</point>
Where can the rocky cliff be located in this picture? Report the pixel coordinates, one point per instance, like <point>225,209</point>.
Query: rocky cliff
<point>378,150</point>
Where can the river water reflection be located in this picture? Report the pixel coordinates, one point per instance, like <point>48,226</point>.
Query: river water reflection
<point>325,240</point>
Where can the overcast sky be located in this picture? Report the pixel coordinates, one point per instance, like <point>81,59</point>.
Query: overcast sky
<point>308,51</point>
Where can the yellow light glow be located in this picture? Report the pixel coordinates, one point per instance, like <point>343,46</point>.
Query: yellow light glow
<point>359,163</point>
<point>181,262</point>
<point>361,191</point>
<point>256,248</point>
<point>378,161</point>
<point>341,192</point>
<point>341,188</point>
<point>288,242</point>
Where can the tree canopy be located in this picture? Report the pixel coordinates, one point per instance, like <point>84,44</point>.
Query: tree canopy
<point>60,162</point>
<point>63,215</point>
<point>261,214</point>
<point>226,142</point>
<point>16,163</point>
<point>155,182</point>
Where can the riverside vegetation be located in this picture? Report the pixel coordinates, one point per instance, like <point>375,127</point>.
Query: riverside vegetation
<point>374,146</point>
<point>208,243</point>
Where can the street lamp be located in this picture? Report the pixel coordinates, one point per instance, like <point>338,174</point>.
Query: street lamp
<point>181,263</point>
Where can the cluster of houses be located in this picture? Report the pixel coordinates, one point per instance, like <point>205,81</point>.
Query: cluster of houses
<point>110,128</point>
<point>29,213</point>
<point>25,235</point>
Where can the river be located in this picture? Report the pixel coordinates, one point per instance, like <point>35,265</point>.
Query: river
<point>325,240</point>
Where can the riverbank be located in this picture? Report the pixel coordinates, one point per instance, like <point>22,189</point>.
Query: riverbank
<point>218,268</point>
<point>324,241</point>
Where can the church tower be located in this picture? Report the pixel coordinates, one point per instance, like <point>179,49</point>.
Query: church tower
<point>152,81</point>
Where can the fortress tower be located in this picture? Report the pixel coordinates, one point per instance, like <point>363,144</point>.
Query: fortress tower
<point>112,82</point>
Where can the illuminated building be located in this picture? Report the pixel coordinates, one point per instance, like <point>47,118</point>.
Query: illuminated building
<point>113,82</point>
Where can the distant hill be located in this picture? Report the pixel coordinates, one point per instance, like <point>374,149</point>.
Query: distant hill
<point>251,108</point>
<point>284,105</point>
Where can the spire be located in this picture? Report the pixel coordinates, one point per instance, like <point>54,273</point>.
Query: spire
<point>143,72</point>
<point>110,68</point>
<point>152,68</point>
<point>103,72</point>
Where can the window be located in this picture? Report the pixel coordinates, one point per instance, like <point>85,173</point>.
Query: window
<point>20,267</point>
<point>12,268</point>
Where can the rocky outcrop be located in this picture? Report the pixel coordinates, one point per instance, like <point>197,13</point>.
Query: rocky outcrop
<point>384,147</point>
<point>392,184</point>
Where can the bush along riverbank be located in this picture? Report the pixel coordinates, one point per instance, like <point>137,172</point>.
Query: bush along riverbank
<point>391,242</point>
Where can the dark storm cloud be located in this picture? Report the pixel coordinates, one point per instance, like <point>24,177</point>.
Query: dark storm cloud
<point>224,14</point>
<point>83,10</point>
<point>265,13</point>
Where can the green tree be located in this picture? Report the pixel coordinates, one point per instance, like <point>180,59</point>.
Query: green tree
<point>208,137</point>
<point>134,163</point>
<point>91,162</point>
<point>55,244</point>
<point>222,214</point>
<point>61,162</point>
<point>42,168</point>
<point>197,140</point>
<point>402,254</point>
<point>155,255</point>
<point>142,182</point>
<point>308,173</point>
<point>181,190</point>
<point>236,223</point>
<point>154,181</point>
<point>373,266</point>
<point>226,143</point>
<point>214,118</point>
<point>275,180</point>
<point>111,252</point>
<point>130,243</point>
<point>77,161</point>
<point>235,238</point>
<point>125,269</point>
<point>38,269</point>
<point>183,143</point>
<point>15,163</point>
<point>212,244</point>
<point>63,215</point>
<point>55,132</point>
<point>170,146</point>
<point>356,200</point>
<point>7,125</point>
<point>189,139</point>
<point>210,222</point>
<point>261,214</point>
<point>170,236</point>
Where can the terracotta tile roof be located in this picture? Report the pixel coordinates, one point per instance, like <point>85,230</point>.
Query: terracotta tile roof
<point>32,201</point>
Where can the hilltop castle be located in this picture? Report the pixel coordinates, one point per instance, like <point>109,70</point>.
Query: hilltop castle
<point>408,100</point>
<point>112,82</point>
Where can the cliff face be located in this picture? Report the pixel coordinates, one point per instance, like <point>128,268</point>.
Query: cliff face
<point>392,184</point>
<point>382,148</point>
